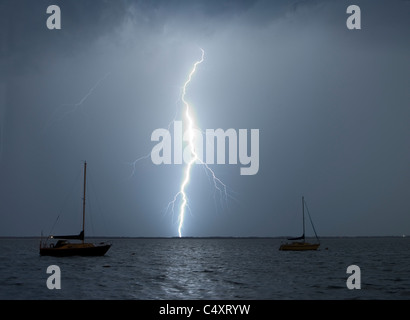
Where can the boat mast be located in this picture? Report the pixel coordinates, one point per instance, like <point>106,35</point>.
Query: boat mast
<point>85,172</point>
<point>303,213</point>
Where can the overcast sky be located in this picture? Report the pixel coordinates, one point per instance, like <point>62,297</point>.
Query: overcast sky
<point>332,107</point>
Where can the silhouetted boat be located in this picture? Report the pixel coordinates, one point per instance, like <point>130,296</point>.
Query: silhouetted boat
<point>301,245</point>
<point>65,248</point>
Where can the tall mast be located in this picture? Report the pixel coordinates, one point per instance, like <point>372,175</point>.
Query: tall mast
<point>85,173</point>
<point>303,212</point>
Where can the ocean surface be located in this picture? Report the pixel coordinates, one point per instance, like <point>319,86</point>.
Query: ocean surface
<point>211,268</point>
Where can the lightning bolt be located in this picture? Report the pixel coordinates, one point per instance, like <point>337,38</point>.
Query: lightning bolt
<point>191,143</point>
<point>190,131</point>
<point>70,108</point>
<point>194,156</point>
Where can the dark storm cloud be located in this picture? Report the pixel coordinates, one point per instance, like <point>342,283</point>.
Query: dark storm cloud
<point>25,36</point>
<point>24,33</point>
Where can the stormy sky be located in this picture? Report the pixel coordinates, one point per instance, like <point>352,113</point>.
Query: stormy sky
<point>332,107</point>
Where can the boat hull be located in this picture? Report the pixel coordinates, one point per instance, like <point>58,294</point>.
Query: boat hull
<point>299,246</point>
<point>92,250</point>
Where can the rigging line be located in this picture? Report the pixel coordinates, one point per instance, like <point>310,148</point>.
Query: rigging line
<point>89,215</point>
<point>94,197</point>
<point>55,222</point>
<point>311,222</point>
<point>65,201</point>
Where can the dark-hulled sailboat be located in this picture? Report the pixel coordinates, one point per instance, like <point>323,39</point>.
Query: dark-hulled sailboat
<point>301,245</point>
<point>64,248</point>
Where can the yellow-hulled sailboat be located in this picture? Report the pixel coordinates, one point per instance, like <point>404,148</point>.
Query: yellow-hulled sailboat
<point>301,245</point>
<point>64,248</point>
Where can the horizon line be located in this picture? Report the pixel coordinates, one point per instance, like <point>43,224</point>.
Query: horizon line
<point>216,237</point>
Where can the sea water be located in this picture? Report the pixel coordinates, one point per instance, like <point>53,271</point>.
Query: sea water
<point>210,268</point>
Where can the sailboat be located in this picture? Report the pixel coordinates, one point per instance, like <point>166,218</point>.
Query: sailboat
<point>301,245</point>
<point>64,248</point>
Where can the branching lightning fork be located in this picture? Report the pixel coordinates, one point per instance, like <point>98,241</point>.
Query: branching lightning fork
<point>194,156</point>
<point>190,132</point>
<point>69,108</point>
<point>191,143</point>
